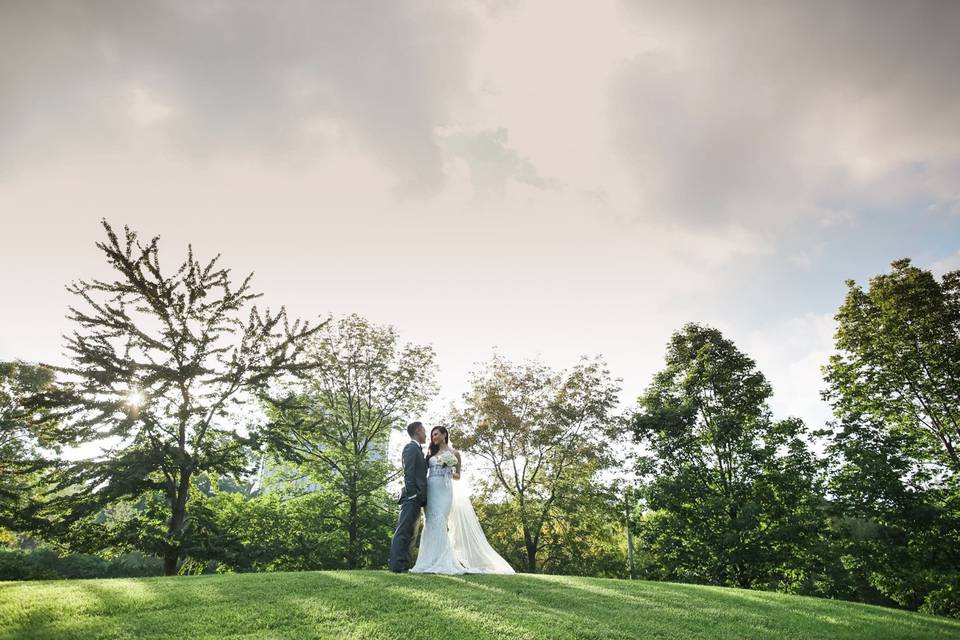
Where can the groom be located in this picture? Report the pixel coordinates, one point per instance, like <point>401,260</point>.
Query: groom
<point>412,498</point>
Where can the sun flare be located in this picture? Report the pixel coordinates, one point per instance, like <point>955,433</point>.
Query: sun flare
<point>135,399</point>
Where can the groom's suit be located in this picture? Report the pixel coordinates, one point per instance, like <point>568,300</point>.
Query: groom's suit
<point>412,499</point>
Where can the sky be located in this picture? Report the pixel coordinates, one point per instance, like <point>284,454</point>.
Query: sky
<point>547,179</point>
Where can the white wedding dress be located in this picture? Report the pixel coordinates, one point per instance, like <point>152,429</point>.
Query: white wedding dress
<point>452,541</point>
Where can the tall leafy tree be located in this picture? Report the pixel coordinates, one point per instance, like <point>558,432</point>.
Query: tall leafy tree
<point>241,528</point>
<point>894,384</point>
<point>730,493</point>
<point>585,536</point>
<point>23,435</point>
<point>162,366</point>
<point>336,425</point>
<point>545,436</point>
<point>898,359</point>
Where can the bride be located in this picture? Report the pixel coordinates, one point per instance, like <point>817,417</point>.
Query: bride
<point>452,541</point>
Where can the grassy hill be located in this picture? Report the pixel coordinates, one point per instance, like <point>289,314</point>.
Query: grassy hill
<point>373,604</point>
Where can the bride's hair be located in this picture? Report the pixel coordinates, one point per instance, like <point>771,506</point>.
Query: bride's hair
<point>433,447</point>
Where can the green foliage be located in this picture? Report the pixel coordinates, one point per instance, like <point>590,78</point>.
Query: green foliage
<point>893,384</point>
<point>944,600</point>
<point>335,426</point>
<point>898,360</point>
<point>24,434</point>
<point>162,367</point>
<point>587,538</point>
<point>732,496</point>
<point>545,436</point>
<point>278,532</point>
<point>45,563</point>
<point>897,536</point>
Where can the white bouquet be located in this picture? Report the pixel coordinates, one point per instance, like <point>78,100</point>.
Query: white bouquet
<point>447,459</point>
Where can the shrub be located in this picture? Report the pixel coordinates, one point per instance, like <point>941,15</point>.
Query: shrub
<point>944,601</point>
<point>47,564</point>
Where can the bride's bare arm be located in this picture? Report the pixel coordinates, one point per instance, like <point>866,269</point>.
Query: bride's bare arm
<point>456,470</point>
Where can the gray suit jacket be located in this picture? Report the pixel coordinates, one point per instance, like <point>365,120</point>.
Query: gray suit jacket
<point>414,474</point>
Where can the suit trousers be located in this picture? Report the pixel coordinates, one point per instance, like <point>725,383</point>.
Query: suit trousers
<point>405,534</point>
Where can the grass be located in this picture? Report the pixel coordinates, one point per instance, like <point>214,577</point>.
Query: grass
<point>381,605</point>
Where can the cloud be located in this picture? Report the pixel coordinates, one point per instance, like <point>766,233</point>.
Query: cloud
<point>770,113</point>
<point>146,110</point>
<point>946,264</point>
<point>492,162</point>
<point>226,78</point>
<point>592,176</point>
<point>790,353</point>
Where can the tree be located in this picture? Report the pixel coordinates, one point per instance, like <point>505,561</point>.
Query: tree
<point>23,435</point>
<point>584,536</point>
<point>898,359</point>
<point>896,532</point>
<point>544,434</point>
<point>162,365</point>
<point>336,425</point>
<point>731,494</point>
<point>278,530</point>
<point>894,384</point>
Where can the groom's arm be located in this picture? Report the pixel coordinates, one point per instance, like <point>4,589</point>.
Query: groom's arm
<point>409,461</point>
<point>422,478</point>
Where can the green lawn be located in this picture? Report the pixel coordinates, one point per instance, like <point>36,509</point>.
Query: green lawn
<point>374,604</point>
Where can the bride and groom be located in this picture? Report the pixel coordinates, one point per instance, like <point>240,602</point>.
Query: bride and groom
<point>452,541</point>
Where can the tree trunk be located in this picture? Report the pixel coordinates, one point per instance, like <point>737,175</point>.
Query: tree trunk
<point>629,536</point>
<point>170,562</point>
<point>175,526</point>
<point>353,555</point>
<point>531,546</point>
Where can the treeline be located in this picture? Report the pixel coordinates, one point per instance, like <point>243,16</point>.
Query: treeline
<point>230,438</point>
